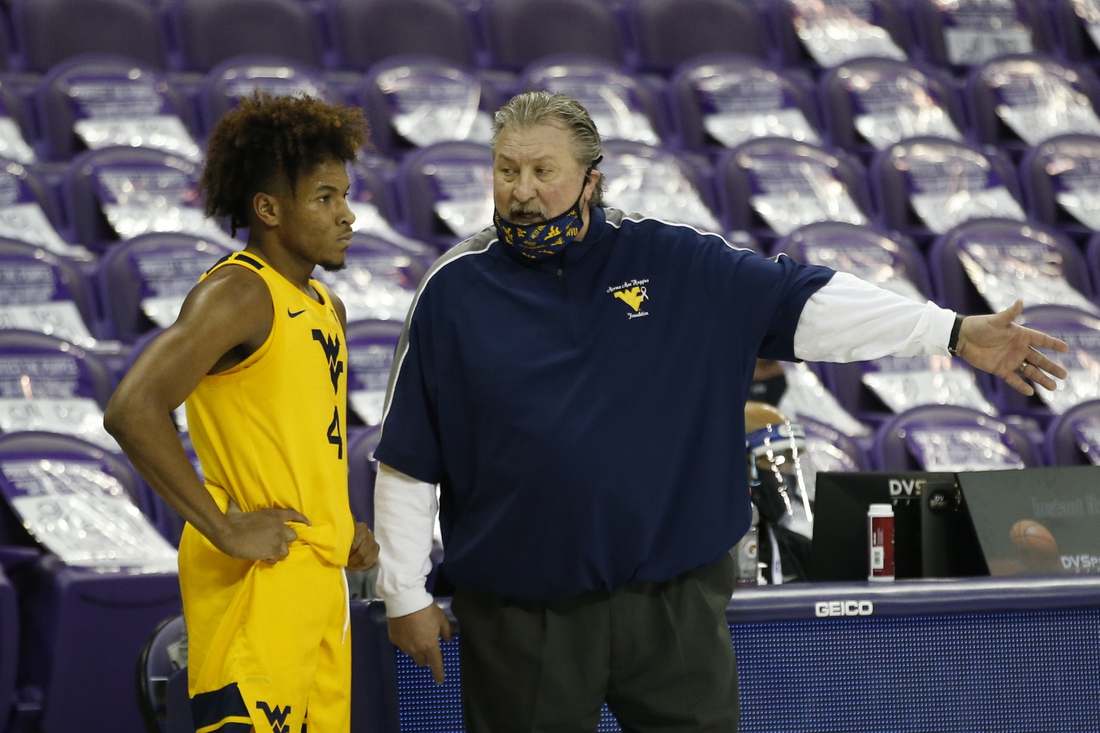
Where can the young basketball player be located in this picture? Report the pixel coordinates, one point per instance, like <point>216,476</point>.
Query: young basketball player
<point>258,353</point>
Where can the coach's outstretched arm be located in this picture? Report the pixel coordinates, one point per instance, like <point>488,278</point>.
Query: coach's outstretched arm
<point>226,317</point>
<point>852,320</point>
<point>404,518</point>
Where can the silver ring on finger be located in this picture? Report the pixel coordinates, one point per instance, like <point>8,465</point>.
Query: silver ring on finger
<point>1023,367</point>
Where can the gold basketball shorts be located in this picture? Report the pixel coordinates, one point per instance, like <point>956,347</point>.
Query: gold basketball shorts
<point>268,645</point>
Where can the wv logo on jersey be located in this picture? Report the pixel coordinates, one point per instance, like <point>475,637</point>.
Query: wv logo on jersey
<point>633,293</point>
<point>633,297</point>
<point>331,346</point>
<point>277,717</point>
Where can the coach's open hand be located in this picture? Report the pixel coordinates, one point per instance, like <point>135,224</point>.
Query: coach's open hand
<point>997,345</point>
<point>418,636</point>
<point>364,550</point>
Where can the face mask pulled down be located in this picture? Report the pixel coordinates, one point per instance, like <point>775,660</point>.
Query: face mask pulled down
<point>544,239</point>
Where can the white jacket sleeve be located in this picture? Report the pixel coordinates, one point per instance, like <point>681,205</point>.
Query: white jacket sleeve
<point>852,320</point>
<point>404,521</point>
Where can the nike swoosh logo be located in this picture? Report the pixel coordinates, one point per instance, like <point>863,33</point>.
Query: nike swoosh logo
<point>295,315</point>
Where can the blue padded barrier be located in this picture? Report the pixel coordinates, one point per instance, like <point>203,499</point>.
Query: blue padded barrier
<point>985,654</point>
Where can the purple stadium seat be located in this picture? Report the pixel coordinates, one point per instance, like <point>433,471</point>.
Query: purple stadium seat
<point>27,212</point>
<point>888,260</point>
<point>875,390</point>
<point>816,34</point>
<point>1018,102</point>
<point>926,185</point>
<point>50,385</point>
<point>1061,182</point>
<point>1011,260</point>
<point>44,292</point>
<point>657,183</point>
<point>671,32</point>
<point>16,129</point>
<point>413,102</point>
<point>721,101</point>
<point>621,105</point>
<point>521,32</point>
<point>5,44</point>
<point>447,191</point>
<point>369,31</point>
<point>1073,437</point>
<point>82,629</point>
<point>822,444</point>
<point>379,279</point>
<point>9,644</point>
<point>871,104</point>
<point>209,32</point>
<point>1092,256</point>
<point>362,470</point>
<point>144,280</point>
<point>950,438</point>
<point>50,31</point>
<point>240,76</point>
<point>119,193</point>
<point>38,366</point>
<point>970,32</point>
<point>371,346</point>
<point>98,101</point>
<point>1078,26</point>
<point>373,202</point>
<point>771,186</point>
<point>155,667</point>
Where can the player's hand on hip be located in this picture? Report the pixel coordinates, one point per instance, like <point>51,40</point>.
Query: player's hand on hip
<point>418,636</point>
<point>259,535</point>
<point>999,346</point>
<point>364,550</point>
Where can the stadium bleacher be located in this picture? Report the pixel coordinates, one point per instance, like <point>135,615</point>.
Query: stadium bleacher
<point>945,149</point>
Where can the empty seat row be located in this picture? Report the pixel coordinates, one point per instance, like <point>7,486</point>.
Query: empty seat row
<point>712,103</point>
<point>140,285</point>
<point>124,203</point>
<point>652,35</point>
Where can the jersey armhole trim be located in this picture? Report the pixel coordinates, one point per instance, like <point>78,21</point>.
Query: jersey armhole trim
<point>240,371</point>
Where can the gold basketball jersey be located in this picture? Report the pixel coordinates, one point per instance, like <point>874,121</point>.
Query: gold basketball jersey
<point>270,432</point>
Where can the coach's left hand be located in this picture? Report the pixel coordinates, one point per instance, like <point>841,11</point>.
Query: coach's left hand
<point>997,345</point>
<point>364,550</point>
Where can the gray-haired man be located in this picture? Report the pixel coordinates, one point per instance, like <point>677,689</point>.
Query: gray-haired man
<point>574,380</point>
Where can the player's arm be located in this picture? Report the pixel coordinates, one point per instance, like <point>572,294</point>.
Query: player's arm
<point>364,550</point>
<point>225,318</point>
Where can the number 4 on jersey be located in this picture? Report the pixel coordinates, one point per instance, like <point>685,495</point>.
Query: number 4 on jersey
<point>334,436</point>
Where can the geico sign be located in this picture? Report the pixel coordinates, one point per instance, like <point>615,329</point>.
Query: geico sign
<point>825,609</point>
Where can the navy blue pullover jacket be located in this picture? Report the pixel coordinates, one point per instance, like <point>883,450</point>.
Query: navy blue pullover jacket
<point>584,416</point>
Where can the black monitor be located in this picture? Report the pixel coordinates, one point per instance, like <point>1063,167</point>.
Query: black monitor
<point>934,536</point>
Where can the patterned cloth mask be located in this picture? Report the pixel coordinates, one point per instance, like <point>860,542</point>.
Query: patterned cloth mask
<point>548,238</point>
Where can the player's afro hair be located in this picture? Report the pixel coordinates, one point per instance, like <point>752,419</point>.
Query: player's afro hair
<point>268,140</point>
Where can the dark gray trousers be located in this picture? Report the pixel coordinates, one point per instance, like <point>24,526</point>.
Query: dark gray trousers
<point>659,654</point>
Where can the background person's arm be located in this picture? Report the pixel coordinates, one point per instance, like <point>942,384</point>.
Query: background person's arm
<point>224,319</point>
<point>849,319</point>
<point>404,516</point>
